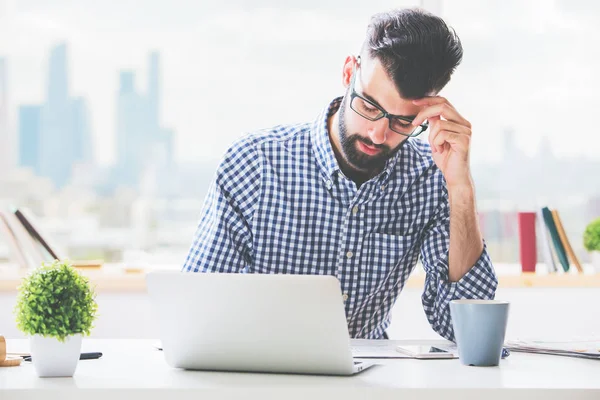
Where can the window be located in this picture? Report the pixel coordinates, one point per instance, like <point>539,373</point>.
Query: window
<point>116,114</point>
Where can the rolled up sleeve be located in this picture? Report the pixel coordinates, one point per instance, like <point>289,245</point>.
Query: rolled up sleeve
<point>480,282</point>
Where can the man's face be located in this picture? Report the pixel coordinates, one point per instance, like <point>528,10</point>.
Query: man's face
<point>367,145</point>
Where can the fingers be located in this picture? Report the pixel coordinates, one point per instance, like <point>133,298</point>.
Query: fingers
<point>452,138</point>
<point>438,106</point>
<point>457,142</point>
<point>451,131</point>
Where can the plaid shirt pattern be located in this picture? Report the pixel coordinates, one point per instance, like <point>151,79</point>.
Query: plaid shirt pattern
<point>280,204</point>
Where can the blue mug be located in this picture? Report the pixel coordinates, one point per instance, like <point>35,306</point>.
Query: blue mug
<point>479,330</point>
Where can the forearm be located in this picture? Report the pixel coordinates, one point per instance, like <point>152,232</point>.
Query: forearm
<point>466,242</point>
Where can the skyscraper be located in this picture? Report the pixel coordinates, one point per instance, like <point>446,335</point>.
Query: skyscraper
<point>58,76</point>
<point>82,148</point>
<point>141,140</point>
<point>56,139</point>
<point>65,137</point>
<point>29,136</point>
<point>162,138</point>
<point>131,148</point>
<point>154,89</point>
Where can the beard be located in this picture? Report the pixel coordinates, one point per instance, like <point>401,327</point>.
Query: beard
<point>355,158</point>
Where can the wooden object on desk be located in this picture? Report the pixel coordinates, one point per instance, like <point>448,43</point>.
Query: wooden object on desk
<point>7,361</point>
<point>87,264</point>
<point>133,270</point>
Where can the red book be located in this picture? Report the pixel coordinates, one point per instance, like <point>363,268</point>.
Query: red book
<point>527,245</point>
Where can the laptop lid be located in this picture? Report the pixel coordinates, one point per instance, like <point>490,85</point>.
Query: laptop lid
<point>251,322</point>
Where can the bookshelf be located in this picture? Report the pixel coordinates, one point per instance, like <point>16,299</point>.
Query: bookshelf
<point>112,278</point>
<point>532,280</point>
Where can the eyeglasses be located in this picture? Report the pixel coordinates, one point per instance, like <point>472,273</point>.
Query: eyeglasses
<point>373,112</point>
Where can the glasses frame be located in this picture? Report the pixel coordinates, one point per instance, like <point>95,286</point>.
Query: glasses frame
<point>383,114</point>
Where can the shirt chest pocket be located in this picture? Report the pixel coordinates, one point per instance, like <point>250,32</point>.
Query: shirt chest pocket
<point>382,252</point>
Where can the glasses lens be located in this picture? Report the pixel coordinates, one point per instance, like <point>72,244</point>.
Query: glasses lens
<point>365,108</point>
<point>404,127</point>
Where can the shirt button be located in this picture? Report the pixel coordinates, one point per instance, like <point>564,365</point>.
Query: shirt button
<point>355,210</point>
<point>382,188</point>
<point>345,296</point>
<point>349,254</point>
<point>328,185</point>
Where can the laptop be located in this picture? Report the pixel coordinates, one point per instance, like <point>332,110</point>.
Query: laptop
<point>279,323</point>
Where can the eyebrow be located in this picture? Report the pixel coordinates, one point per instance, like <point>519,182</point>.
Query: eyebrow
<point>372,100</point>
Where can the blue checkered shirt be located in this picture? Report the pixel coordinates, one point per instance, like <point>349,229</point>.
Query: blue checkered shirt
<point>280,204</point>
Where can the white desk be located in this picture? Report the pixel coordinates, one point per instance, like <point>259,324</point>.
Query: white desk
<point>132,369</point>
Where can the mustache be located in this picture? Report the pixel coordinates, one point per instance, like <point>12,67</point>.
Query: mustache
<point>369,142</point>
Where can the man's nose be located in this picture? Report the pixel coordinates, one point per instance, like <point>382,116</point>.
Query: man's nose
<point>378,131</point>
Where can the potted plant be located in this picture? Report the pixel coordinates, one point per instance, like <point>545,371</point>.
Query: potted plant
<point>591,242</point>
<point>55,307</point>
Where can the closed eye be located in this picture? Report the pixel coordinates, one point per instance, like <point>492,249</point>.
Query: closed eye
<point>369,108</point>
<point>401,123</point>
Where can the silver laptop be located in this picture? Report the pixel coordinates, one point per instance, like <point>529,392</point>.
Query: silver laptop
<point>253,322</point>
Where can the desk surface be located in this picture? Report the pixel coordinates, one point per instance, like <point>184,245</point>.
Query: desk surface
<point>133,369</point>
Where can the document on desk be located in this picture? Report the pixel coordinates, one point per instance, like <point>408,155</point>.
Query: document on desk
<point>375,349</point>
<point>577,347</point>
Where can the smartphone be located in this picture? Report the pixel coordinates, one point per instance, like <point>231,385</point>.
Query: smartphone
<point>424,352</point>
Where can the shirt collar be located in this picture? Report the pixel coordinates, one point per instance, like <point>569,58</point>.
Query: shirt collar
<point>321,142</point>
<point>324,150</point>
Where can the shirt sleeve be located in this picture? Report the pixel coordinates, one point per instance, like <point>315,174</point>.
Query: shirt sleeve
<point>480,282</point>
<point>223,238</point>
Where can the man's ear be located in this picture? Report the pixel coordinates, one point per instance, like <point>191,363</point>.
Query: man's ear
<point>347,71</point>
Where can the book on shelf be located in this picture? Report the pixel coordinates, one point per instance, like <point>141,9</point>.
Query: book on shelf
<point>29,246</point>
<point>545,243</point>
<point>565,241</point>
<point>18,254</point>
<point>527,241</point>
<point>24,251</point>
<point>558,246</point>
<point>544,230</point>
<point>29,222</point>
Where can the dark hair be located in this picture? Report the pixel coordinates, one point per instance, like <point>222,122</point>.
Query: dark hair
<point>417,49</point>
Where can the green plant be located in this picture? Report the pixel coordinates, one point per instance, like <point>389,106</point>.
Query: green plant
<point>56,301</point>
<point>591,236</point>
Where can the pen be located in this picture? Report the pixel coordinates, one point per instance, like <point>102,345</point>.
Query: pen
<point>83,356</point>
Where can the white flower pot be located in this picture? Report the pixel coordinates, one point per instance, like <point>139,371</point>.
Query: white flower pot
<point>595,256</point>
<point>52,358</point>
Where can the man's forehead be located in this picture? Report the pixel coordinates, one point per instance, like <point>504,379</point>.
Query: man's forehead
<point>372,69</point>
<point>377,84</point>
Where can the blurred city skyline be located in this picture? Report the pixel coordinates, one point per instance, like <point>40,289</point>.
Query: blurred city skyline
<point>256,62</point>
<point>54,137</point>
<point>141,106</point>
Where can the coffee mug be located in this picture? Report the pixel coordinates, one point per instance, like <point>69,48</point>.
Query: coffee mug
<point>479,329</point>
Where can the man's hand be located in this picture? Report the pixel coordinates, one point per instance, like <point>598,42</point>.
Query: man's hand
<point>449,137</point>
<point>450,140</point>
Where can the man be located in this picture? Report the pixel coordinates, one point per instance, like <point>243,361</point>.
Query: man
<point>354,194</point>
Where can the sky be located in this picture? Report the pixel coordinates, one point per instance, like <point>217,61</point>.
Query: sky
<point>233,66</point>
